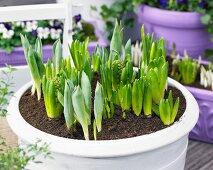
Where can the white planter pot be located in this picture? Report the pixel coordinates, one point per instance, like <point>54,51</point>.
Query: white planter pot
<point>164,149</point>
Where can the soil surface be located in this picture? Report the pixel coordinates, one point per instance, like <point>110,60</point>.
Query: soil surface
<point>194,84</point>
<point>33,111</point>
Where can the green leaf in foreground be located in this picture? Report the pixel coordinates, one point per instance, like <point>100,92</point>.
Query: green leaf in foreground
<point>168,110</point>
<point>81,112</point>
<point>68,105</point>
<point>98,105</point>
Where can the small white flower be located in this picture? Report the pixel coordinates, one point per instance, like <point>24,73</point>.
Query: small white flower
<point>31,25</point>
<point>19,24</point>
<point>2,28</point>
<point>206,77</point>
<point>7,34</point>
<point>43,33</point>
<point>55,34</point>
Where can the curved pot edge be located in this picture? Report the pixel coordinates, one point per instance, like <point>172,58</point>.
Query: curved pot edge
<point>169,18</point>
<point>201,93</point>
<point>102,148</point>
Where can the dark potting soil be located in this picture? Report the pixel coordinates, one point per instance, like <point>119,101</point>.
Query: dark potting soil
<point>33,111</point>
<point>195,84</point>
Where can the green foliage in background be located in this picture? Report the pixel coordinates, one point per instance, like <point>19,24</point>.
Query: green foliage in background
<point>116,11</point>
<point>5,92</point>
<point>16,158</point>
<point>19,157</point>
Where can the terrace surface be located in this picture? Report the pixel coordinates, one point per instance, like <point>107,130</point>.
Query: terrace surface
<point>199,156</point>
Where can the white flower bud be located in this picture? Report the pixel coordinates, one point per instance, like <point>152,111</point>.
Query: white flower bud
<point>2,28</point>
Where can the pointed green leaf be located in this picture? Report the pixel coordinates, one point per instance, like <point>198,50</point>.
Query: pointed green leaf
<point>128,51</point>
<point>98,105</point>
<point>170,98</point>
<point>86,89</point>
<point>137,97</point>
<point>175,110</point>
<point>57,56</point>
<point>147,99</point>
<point>38,47</point>
<point>68,104</point>
<point>81,112</point>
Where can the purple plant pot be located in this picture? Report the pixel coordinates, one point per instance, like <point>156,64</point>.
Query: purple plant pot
<point>101,40</point>
<point>17,58</point>
<point>203,130</point>
<point>183,28</point>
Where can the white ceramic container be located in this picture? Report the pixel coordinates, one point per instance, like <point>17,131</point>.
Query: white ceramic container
<point>163,150</point>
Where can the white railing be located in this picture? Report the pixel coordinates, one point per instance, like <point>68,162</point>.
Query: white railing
<point>42,12</point>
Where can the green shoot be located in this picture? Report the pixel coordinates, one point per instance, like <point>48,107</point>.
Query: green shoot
<point>188,69</point>
<point>98,105</point>
<point>68,105</point>
<point>185,70</point>
<point>128,51</point>
<point>34,61</point>
<point>86,89</point>
<point>79,53</point>
<point>116,42</point>
<point>158,77</point>
<point>117,66</point>
<point>147,98</point>
<point>137,96</point>
<point>50,89</point>
<point>125,97</point>
<point>81,112</point>
<point>167,109</point>
<point>96,59</point>
<point>57,56</point>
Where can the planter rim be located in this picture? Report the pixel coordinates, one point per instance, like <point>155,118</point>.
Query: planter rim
<point>48,46</point>
<point>99,149</point>
<point>172,11</point>
<point>170,18</point>
<point>201,93</point>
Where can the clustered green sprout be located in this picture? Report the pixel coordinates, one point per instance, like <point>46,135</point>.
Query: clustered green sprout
<point>185,70</point>
<point>67,88</point>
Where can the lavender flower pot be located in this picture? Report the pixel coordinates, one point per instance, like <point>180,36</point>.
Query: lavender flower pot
<point>101,40</point>
<point>183,28</point>
<point>17,58</point>
<point>203,130</point>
